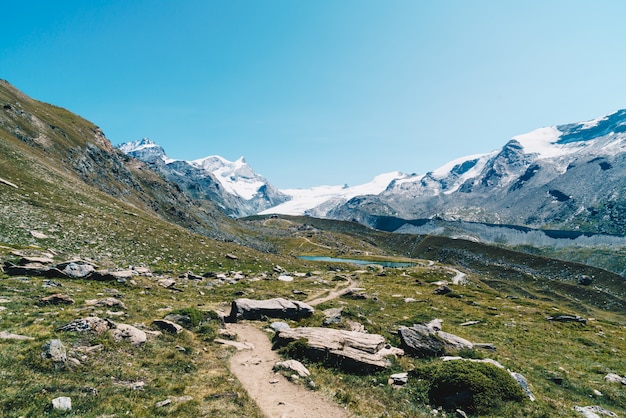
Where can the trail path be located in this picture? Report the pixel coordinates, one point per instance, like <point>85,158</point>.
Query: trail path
<point>276,396</point>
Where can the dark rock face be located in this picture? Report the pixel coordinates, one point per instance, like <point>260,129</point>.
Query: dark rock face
<point>273,308</point>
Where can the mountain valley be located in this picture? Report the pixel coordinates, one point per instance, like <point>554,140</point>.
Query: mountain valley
<point>168,248</point>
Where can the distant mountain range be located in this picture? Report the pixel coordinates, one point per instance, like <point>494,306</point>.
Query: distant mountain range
<point>567,177</point>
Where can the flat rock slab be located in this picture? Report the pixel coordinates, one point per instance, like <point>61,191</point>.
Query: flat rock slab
<point>273,308</point>
<point>355,351</point>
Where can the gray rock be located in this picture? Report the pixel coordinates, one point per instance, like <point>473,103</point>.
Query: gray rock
<point>106,303</point>
<point>274,308</point>
<point>354,351</point>
<point>523,383</point>
<point>4,335</point>
<point>56,299</point>
<point>62,403</point>
<point>76,270</point>
<point>399,379</point>
<point>55,351</point>
<point>128,332</point>
<point>90,323</point>
<point>594,411</point>
<point>168,326</point>
<point>279,326</point>
<point>568,318</point>
<point>332,316</point>
<point>420,341</point>
<point>292,366</point>
<point>615,378</point>
<point>585,280</point>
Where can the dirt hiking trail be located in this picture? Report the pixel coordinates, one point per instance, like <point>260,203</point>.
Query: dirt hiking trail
<point>276,396</point>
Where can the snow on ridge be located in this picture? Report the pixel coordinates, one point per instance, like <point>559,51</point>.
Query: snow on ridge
<point>541,141</point>
<point>137,145</point>
<point>306,199</point>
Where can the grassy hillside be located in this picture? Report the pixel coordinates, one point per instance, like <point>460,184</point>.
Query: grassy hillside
<point>66,194</point>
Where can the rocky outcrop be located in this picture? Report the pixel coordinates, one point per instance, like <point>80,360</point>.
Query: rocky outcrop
<point>354,351</point>
<point>273,308</point>
<point>292,366</point>
<point>429,341</point>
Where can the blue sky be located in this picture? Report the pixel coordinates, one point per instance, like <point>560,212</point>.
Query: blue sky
<point>322,91</point>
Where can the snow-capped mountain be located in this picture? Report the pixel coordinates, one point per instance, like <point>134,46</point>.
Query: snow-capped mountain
<point>232,186</point>
<point>317,201</point>
<point>567,177</point>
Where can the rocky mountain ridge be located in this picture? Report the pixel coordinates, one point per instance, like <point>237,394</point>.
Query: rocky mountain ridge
<point>232,186</point>
<point>563,177</point>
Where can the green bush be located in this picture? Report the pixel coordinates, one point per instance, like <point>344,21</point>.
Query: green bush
<point>471,386</point>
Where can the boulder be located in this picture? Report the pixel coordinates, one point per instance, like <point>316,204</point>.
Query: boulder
<point>76,269</point>
<point>430,341</point>
<point>56,299</point>
<point>594,411</point>
<point>128,332</point>
<point>168,326</point>
<point>106,303</point>
<point>274,308</point>
<point>399,379</point>
<point>332,316</point>
<point>354,351</point>
<point>62,403</point>
<point>585,280</point>
<point>90,323</point>
<point>55,351</point>
<point>568,318</point>
<point>292,366</point>
<point>615,378</point>
<point>4,335</point>
<point>420,341</point>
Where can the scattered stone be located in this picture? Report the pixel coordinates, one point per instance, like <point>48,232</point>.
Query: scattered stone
<point>429,341</point>
<point>594,411</point>
<point>56,299</point>
<point>279,326</point>
<point>7,182</point>
<point>167,283</point>
<point>107,275</point>
<point>292,366</point>
<point>106,303</point>
<point>399,379</point>
<point>332,316</point>
<point>239,346</point>
<point>460,413</point>
<point>356,293</point>
<point>76,269</point>
<point>278,269</point>
<point>39,235</point>
<point>585,280</point>
<point>298,292</point>
<point>55,351</point>
<point>91,323</point>
<point>174,399</point>
<point>484,360</point>
<point>4,335</point>
<point>62,403</point>
<point>168,326</point>
<point>285,278</point>
<point>485,346</point>
<point>274,308</point>
<point>523,383</point>
<point>568,318</point>
<point>442,290</point>
<point>128,332</point>
<point>231,256</point>
<point>468,323</point>
<point>4,300</point>
<point>615,378</point>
